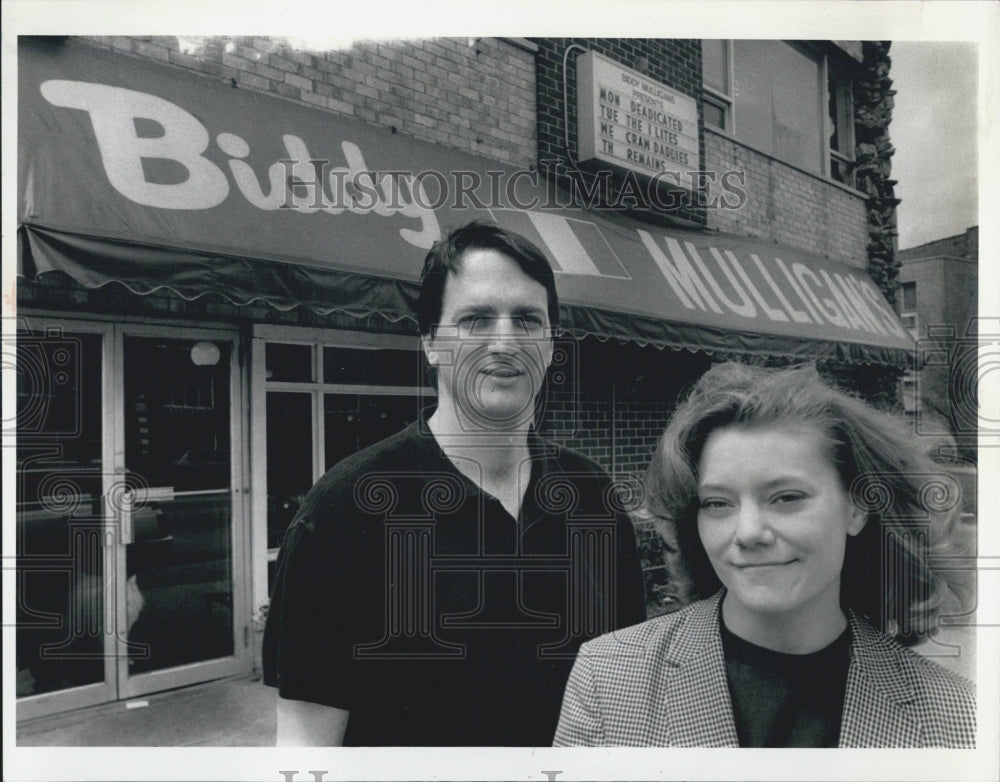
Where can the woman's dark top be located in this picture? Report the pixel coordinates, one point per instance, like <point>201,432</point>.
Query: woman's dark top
<point>786,700</point>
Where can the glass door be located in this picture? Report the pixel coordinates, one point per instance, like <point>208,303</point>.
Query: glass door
<point>65,633</point>
<point>181,555</point>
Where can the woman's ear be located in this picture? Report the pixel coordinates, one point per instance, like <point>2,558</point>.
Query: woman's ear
<point>857,520</point>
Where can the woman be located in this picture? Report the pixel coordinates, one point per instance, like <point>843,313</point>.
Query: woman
<point>801,516</point>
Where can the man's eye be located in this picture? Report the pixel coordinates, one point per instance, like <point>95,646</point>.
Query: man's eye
<point>473,323</point>
<point>788,498</point>
<point>530,322</point>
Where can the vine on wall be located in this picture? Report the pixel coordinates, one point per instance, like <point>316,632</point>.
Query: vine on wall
<point>873,104</point>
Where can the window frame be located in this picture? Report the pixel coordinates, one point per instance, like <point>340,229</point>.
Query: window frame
<point>726,102</point>
<point>845,87</point>
<point>260,385</point>
<point>722,99</point>
<point>909,315</point>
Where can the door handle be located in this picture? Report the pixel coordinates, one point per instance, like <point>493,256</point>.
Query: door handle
<point>133,498</point>
<point>125,524</point>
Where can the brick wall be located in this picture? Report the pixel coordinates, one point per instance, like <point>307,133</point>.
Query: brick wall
<point>787,205</point>
<point>964,245</point>
<point>639,425</point>
<point>620,436</point>
<point>784,204</point>
<point>619,401</point>
<point>582,421</point>
<point>676,63</point>
<point>477,95</point>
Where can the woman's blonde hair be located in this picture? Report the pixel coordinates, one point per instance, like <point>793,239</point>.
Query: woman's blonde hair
<point>912,503</point>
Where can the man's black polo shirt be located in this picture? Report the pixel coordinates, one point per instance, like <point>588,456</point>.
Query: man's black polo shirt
<point>411,598</point>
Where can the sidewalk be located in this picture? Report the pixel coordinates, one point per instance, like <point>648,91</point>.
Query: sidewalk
<point>240,712</point>
<point>225,713</point>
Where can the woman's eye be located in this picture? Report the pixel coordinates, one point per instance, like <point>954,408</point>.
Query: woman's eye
<point>789,498</point>
<point>713,505</point>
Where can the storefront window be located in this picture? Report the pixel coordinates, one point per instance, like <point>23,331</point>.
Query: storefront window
<point>355,421</point>
<point>289,362</point>
<point>289,459</point>
<point>366,393</point>
<point>376,367</point>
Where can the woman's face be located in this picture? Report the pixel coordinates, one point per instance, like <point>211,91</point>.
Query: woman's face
<point>774,518</point>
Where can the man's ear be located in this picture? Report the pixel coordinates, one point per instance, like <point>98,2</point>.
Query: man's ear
<point>432,356</point>
<point>550,350</point>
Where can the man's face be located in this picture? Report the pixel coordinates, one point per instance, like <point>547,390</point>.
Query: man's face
<point>493,345</point>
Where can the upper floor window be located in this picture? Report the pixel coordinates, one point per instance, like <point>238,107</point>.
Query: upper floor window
<point>787,100</point>
<point>907,302</point>
<point>841,124</point>
<point>716,77</point>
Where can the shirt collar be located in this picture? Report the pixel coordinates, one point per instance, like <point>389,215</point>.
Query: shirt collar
<point>543,456</point>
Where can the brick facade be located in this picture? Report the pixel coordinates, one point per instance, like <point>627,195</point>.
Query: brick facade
<point>784,204</point>
<point>476,95</point>
<point>787,205</point>
<point>674,62</point>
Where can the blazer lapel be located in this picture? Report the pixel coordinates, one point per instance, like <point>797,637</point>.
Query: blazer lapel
<point>879,702</point>
<point>698,709</point>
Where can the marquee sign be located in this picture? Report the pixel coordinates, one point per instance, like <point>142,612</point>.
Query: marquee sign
<point>629,121</point>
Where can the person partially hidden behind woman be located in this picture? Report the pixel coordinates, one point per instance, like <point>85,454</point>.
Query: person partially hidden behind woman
<point>762,479</point>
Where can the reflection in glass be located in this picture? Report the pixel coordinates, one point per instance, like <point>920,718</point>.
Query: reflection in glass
<point>355,421</point>
<point>180,582</point>
<point>289,459</point>
<point>286,363</point>
<point>372,367</point>
<point>179,591</point>
<point>60,574</point>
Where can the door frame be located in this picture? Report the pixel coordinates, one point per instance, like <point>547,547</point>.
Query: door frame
<point>117,684</point>
<point>169,678</point>
<point>41,705</point>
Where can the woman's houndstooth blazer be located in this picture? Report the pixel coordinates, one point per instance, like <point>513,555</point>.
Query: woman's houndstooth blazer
<point>663,683</point>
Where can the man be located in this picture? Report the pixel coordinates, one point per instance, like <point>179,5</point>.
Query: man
<point>433,588</point>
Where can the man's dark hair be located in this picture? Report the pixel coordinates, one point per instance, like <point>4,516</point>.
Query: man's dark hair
<point>446,256</point>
